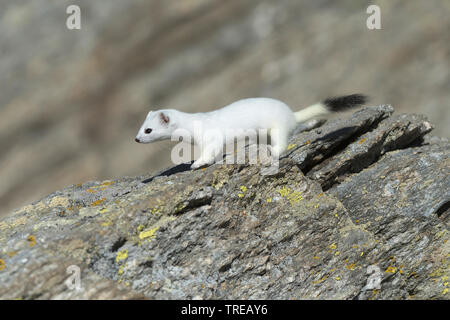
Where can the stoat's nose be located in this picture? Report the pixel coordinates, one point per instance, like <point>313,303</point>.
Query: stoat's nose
<point>137,140</point>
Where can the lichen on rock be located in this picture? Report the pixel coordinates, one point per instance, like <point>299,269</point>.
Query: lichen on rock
<point>353,199</point>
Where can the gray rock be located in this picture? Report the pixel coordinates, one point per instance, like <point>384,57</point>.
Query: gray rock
<point>394,133</point>
<point>357,210</point>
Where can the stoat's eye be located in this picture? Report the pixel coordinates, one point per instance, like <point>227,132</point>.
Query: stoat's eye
<point>148,130</point>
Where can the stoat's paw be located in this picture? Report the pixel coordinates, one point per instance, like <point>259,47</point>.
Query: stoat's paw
<point>197,164</point>
<point>201,163</point>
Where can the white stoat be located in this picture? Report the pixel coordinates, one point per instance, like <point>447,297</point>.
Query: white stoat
<point>247,114</point>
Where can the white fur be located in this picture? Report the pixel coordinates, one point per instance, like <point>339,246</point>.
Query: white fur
<point>313,111</point>
<point>247,114</point>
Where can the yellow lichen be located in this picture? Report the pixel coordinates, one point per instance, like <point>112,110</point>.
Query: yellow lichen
<point>269,200</point>
<point>391,269</point>
<point>102,187</point>
<point>71,208</point>
<point>292,196</point>
<point>98,202</point>
<point>295,197</point>
<point>440,233</point>
<point>121,255</point>
<point>120,272</point>
<point>292,145</point>
<point>437,273</point>
<point>106,223</point>
<point>320,280</point>
<point>284,191</point>
<point>351,266</point>
<point>157,209</point>
<point>148,233</point>
<point>374,293</point>
<point>243,188</point>
<point>2,264</point>
<point>333,246</point>
<point>240,195</point>
<point>31,241</point>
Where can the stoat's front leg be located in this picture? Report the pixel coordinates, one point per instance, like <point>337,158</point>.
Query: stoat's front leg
<point>208,154</point>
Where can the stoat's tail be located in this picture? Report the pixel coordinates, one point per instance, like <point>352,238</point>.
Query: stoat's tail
<point>331,105</point>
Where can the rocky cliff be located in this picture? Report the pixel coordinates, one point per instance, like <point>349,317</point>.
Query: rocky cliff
<point>358,210</point>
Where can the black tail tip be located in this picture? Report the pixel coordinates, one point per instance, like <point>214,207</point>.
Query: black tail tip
<point>343,103</point>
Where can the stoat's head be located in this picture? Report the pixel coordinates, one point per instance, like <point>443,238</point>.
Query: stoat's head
<point>157,126</point>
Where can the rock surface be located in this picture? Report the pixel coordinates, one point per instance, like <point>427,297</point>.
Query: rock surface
<point>357,210</point>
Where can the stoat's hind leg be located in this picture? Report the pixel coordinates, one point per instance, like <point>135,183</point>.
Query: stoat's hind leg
<point>279,139</point>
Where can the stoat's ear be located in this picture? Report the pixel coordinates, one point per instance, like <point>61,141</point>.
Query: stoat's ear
<point>164,117</point>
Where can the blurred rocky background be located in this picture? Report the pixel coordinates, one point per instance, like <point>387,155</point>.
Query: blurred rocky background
<point>71,101</point>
